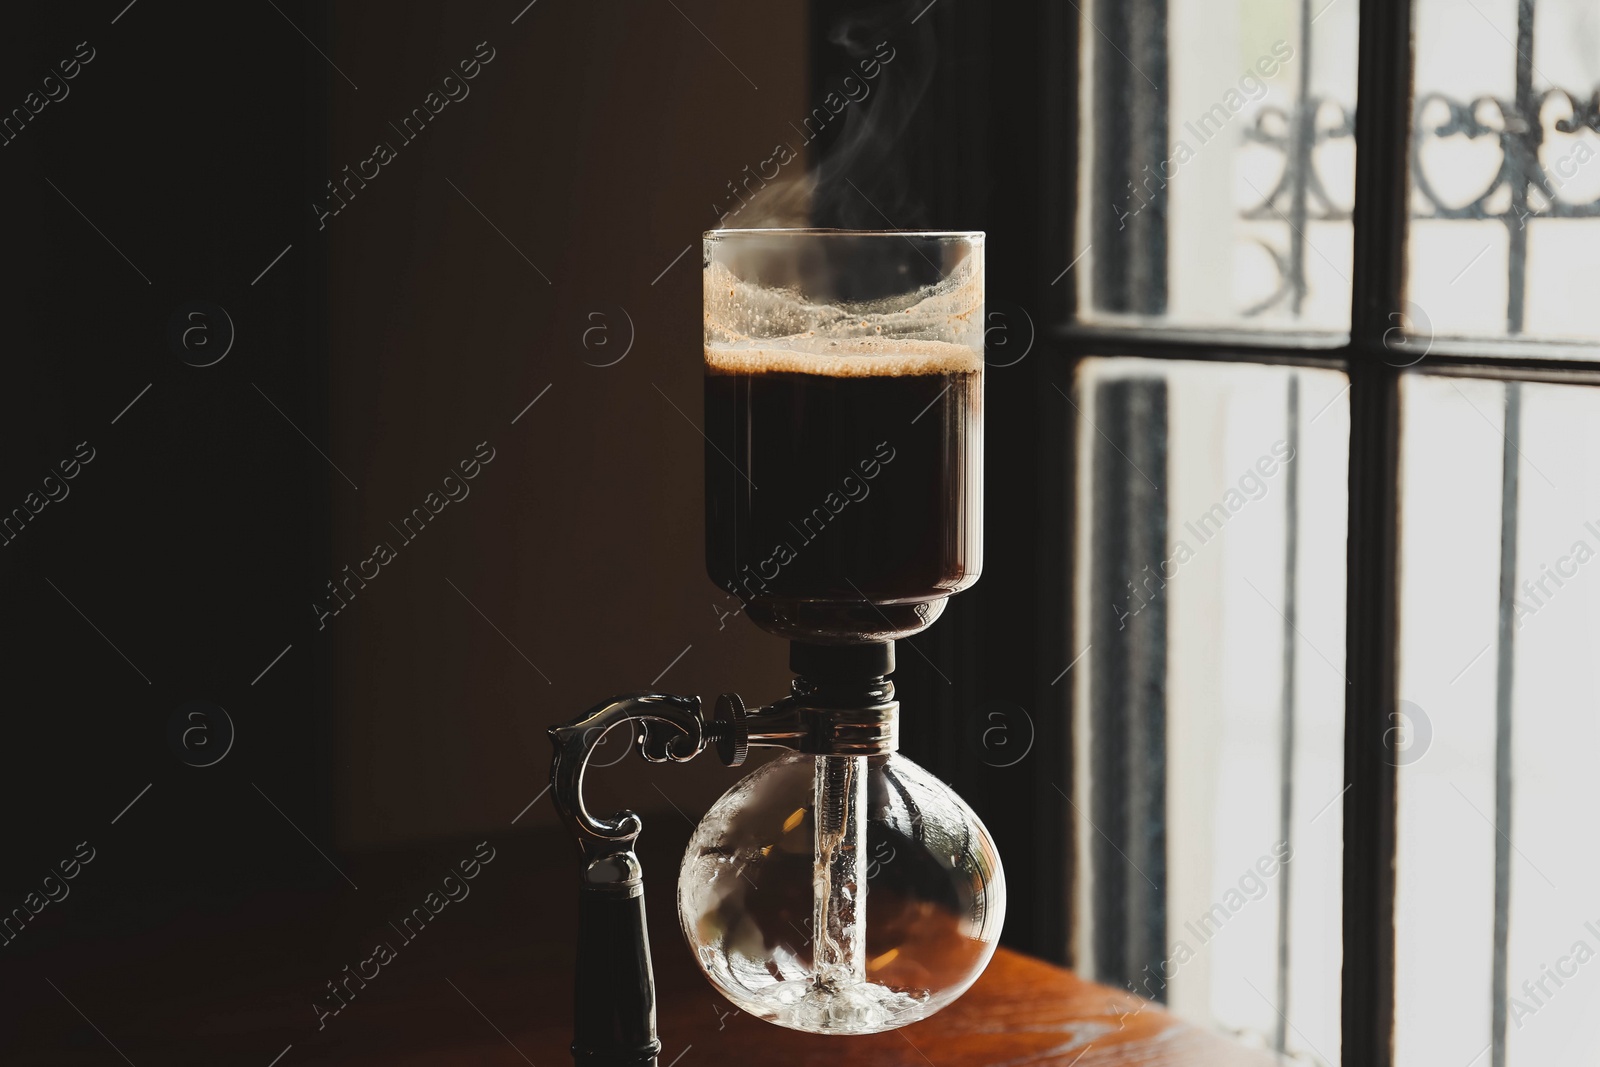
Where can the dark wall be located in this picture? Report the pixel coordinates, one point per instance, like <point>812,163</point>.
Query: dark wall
<point>143,204</point>
<point>172,209</point>
<point>541,226</point>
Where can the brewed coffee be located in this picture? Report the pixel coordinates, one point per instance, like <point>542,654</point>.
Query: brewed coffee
<point>842,486</point>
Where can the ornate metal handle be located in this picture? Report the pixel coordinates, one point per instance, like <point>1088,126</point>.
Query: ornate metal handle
<point>666,727</point>
<point>614,1003</point>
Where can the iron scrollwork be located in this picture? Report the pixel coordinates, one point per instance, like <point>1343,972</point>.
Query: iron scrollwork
<point>1300,191</point>
<point>1519,133</point>
<point>1327,120</point>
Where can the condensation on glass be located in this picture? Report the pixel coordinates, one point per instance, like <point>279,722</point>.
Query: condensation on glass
<point>1209,672</point>
<point>1498,926</point>
<point>1505,176</point>
<point>1218,164</point>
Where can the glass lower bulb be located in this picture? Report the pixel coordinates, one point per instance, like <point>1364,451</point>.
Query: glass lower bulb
<point>841,894</point>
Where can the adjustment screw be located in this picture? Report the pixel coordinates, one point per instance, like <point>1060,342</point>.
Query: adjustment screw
<point>730,730</point>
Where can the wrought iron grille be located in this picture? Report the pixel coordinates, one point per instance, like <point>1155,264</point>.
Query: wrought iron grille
<point>1521,188</point>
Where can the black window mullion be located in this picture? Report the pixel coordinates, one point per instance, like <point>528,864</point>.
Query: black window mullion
<point>1380,215</point>
<point>1371,632</point>
<point>1383,111</point>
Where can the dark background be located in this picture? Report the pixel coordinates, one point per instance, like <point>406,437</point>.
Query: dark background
<point>465,281</point>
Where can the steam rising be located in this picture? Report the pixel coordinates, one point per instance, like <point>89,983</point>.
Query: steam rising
<point>858,177</point>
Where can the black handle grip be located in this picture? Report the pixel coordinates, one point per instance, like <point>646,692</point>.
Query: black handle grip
<point>614,1001</point>
<point>614,1008</point>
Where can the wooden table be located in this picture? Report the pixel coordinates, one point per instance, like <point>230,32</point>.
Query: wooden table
<point>168,979</point>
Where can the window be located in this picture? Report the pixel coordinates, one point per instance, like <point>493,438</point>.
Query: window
<point>1210,692</point>
<point>1366,228</point>
<point>1200,738</point>
<point>1221,196</point>
<point>1498,624</point>
<point>1505,193</point>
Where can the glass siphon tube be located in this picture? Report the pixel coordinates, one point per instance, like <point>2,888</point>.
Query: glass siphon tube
<point>839,885</point>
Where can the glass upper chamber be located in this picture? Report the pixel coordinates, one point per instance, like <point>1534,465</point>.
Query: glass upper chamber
<point>878,916</point>
<point>844,427</point>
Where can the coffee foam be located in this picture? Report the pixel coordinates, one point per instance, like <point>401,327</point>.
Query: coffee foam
<point>759,329</point>
<point>864,357</point>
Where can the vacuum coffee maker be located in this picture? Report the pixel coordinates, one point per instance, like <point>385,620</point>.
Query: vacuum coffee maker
<point>839,888</point>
